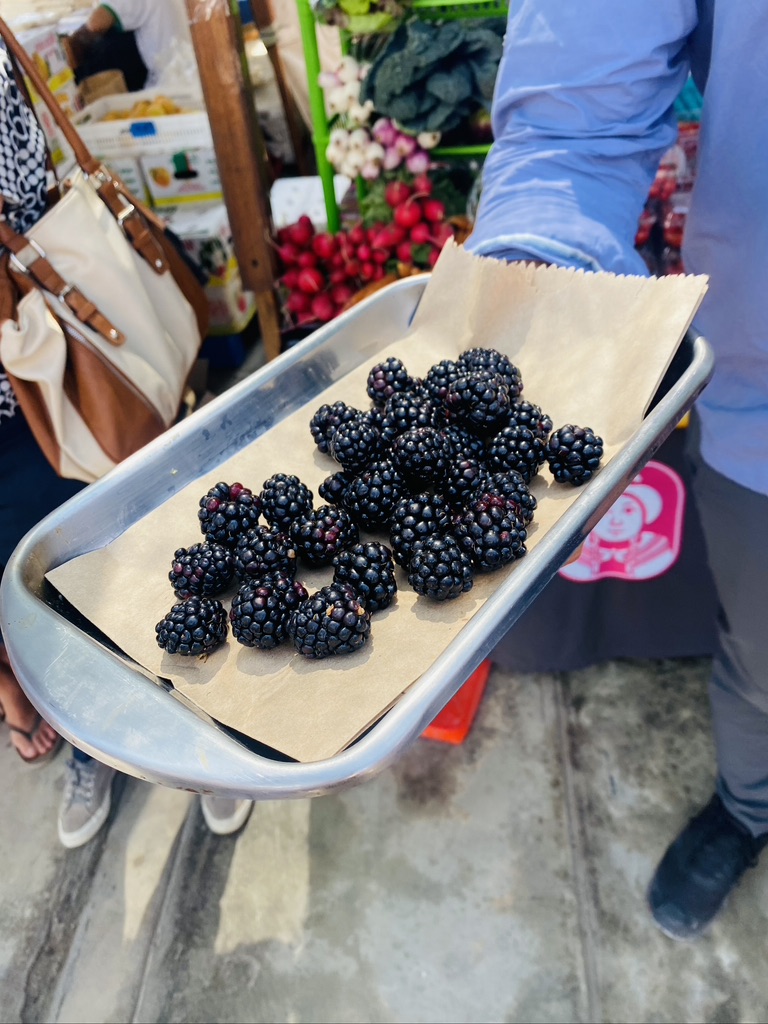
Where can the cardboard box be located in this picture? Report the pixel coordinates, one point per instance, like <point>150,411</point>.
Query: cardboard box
<point>182,176</point>
<point>292,197</point>
<point>207,238</point>
<point>45,49</point>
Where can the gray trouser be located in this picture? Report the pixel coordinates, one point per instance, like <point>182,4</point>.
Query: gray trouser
<point>735,523</point>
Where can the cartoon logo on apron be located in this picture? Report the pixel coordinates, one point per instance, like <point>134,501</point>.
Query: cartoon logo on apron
<point>639,536</point>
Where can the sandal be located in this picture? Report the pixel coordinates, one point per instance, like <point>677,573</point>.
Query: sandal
<point>30,738</point>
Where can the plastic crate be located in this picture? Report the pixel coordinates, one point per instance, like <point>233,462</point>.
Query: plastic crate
<point>145,135</point>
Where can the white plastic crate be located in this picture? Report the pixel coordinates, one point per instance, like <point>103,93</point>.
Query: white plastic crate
<point>145,135</point>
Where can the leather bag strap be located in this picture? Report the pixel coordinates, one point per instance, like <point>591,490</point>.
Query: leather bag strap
<point>28,259</point>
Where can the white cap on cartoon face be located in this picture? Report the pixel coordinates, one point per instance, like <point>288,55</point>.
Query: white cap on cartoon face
<point>638,506</point>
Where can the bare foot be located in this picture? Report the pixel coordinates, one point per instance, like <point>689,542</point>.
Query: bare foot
<point>20,713</point>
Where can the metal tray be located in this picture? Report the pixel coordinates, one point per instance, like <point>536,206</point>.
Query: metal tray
<point>108,706</point>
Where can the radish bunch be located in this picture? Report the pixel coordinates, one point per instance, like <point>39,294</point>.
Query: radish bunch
<point>342,92</point>
<point>321,272</point>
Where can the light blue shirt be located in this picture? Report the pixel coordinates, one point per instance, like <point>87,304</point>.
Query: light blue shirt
<point>583,112</point>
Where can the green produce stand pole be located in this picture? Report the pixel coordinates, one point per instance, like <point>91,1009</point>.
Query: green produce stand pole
<point>320,132</point>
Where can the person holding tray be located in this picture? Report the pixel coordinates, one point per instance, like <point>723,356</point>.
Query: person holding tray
<point>30,489</point>
<point>582,113</point>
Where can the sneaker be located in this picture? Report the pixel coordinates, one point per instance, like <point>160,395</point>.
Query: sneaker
<point>699,871</point>
<point>86,801</point>
<point>224,815</point>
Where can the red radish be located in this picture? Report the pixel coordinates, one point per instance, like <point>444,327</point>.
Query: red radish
<point>407,215</point>
<point>305,319</point>
<point>337,276</point>
<point>323,307</point>
<point>311,280</point>
<point>325,246</point>
<point>337,261</point>
<point>289,254</point>
<point>421,233</point>
<point>381,256</point>
<point>342,293</point>
<point>307,259</point>
<point>352,268</point>
<point>434,210</point>
<point>364,253</point>
<point>302,232</point>
<point>390,236</point>
<point>357,235</point>
<point>290,280</point>
<point>298,302</point>
<point>422,184</point>
<point>433,257</point>
<point>378,273</point>
<point>367,270</point>
<point>441,233</point>
<point>396,193</point>
<point>404,252</point>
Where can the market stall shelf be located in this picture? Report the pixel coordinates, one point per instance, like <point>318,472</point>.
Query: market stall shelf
<point>81,678</point>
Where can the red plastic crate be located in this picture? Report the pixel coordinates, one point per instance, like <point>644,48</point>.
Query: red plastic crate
<point>453,723</point>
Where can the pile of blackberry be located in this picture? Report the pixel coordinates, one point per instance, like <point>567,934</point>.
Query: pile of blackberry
<point>440,467</point>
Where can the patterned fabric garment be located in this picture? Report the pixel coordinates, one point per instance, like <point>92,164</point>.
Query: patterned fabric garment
<point>22,178</point>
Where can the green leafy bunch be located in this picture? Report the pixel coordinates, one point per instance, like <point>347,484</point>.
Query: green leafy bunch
<point>361,17</point>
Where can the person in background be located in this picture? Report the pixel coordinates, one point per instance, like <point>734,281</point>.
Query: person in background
<point>30,489</point>
<point>157,26</point>
<point>582,113</point>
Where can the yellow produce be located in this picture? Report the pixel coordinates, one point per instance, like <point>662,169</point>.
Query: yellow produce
<point>157,107</point>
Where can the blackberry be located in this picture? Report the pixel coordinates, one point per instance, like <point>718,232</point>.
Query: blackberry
<point>385,379</point>
<point>261,551</point>
<point>463,480</point>
<point>526,414</point>
<point>491,531</point>
<point>512,485</point>
<point>368,567</point>
<point>201,570</point>
<point>196,625</point>
<point>355,443</point>
<point>464,444</point>
<point>262,608</point>
<point>332,621</point>
<point>333,487</point>
<point>479,402</point>
<point>283,499</point>
<point>475,359</point>
<point>371,497</point>
<point>516,448</point>
<point>322,533</point>
<point>422,455</point>
<point>375,416</point>
<point>327,419</point>
<point>404,411</point>
<point>439,569</point>
<point>439,378</point>
<point>416,518</point>
<point>573,454</point>
<point>226,511</point>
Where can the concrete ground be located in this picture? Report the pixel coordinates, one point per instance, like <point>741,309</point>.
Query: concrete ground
<point>501,880</point>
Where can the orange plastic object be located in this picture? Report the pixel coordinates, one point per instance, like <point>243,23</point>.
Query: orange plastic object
<point>455,720</point>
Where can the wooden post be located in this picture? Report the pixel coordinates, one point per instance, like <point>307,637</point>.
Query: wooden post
<point>263,17</point>
<point>240,153</point>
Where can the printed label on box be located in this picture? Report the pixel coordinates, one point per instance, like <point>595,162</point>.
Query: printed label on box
<point>183,176</point>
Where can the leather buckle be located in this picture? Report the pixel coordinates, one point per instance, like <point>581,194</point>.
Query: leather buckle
<point>18,263</point>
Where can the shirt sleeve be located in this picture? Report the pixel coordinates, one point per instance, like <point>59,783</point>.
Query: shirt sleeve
<point>582,113</point>
<point>130,14</point>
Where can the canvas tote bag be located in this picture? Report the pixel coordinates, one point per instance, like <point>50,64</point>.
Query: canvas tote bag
<point>101,318</point>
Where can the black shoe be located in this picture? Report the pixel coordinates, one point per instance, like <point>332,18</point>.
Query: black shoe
<point>699,870</point>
